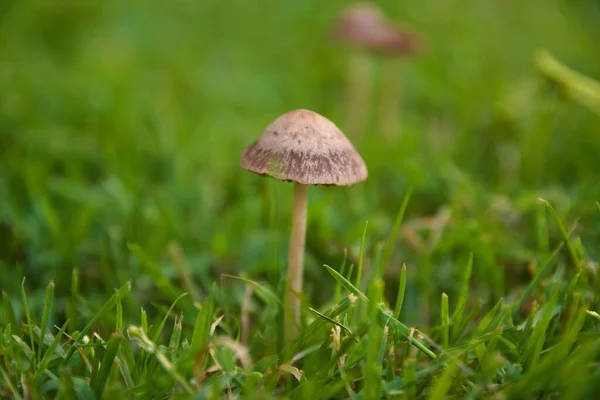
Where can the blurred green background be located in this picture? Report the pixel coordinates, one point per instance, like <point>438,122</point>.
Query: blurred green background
<point>123,122</point>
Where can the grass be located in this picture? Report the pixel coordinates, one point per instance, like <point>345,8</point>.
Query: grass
<point>153,264</point>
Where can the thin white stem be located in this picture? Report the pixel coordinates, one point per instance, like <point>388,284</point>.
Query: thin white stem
<point>391,99</point>
<point>296,262</point>
<point>359,92</point>
<point>246,303</point>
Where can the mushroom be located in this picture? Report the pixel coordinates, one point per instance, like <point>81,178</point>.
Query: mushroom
<point>366,28</point>
<point>306,148</point>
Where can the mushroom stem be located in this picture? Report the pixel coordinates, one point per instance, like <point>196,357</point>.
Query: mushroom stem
<point>391,98</point>
<point>296,263</point>
<point>359,92</point>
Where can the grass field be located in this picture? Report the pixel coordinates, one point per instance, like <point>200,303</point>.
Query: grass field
<point>121,129</point>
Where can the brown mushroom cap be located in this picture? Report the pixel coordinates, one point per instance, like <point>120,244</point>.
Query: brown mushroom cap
<point>365,26</point>
<point>305,147</point>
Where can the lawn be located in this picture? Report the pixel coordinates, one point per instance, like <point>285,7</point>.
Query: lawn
<point>138,260</point>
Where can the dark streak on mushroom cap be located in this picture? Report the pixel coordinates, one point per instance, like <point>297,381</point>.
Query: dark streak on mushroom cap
<point>366,26</point>
<point>305,147</point>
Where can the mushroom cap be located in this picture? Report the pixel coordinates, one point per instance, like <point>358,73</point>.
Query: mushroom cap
<point>366,26</point>
<point>305,147</point>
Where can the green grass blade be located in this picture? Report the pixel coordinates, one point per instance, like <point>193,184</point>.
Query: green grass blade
<point>112,302</point>
<point>444,383</point>
<point>581,88</point>
<point>66,388</point>
<point>445,320</point>
<point>145,343</point>
<point>82,389</point>
<point>572,286</point>
<point>72,306</point>
<point>372,368</point>
<point>577,368</point>
<point>125,361</point>
<point>564,233</point>
<point>48,304</point>
<point>344,282</point>
<point>204,320</point>
<point>27,314</point>
<point>538,336</point>
<point>7,382</point>
<point>119,318</point>
<point>7,312</point>
<point>486,321</point>
<point>360,257</point>
<point>176,334</point>
<point>461,302</point>
<point>409,374</point>
<point>593,314</point>
<point>573,328</point>
<point>144,319</point>
<point>401,292</point>
<point>99,384</point>
<point>350,272</point>
<point>391,243</point>
<point>45,361</point>
<point>331,321</point>
<point>464,288</point>
<point>543,272</point>
<point>542,228</point>
<point>401,331</point>
<point>263,291</point>
<point>338,287</point>
<point>376,271</point>
<point>306,334</point>
<point>166,317</point>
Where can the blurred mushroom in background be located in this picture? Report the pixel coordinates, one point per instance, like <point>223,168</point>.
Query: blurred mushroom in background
<point>370,33</point>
